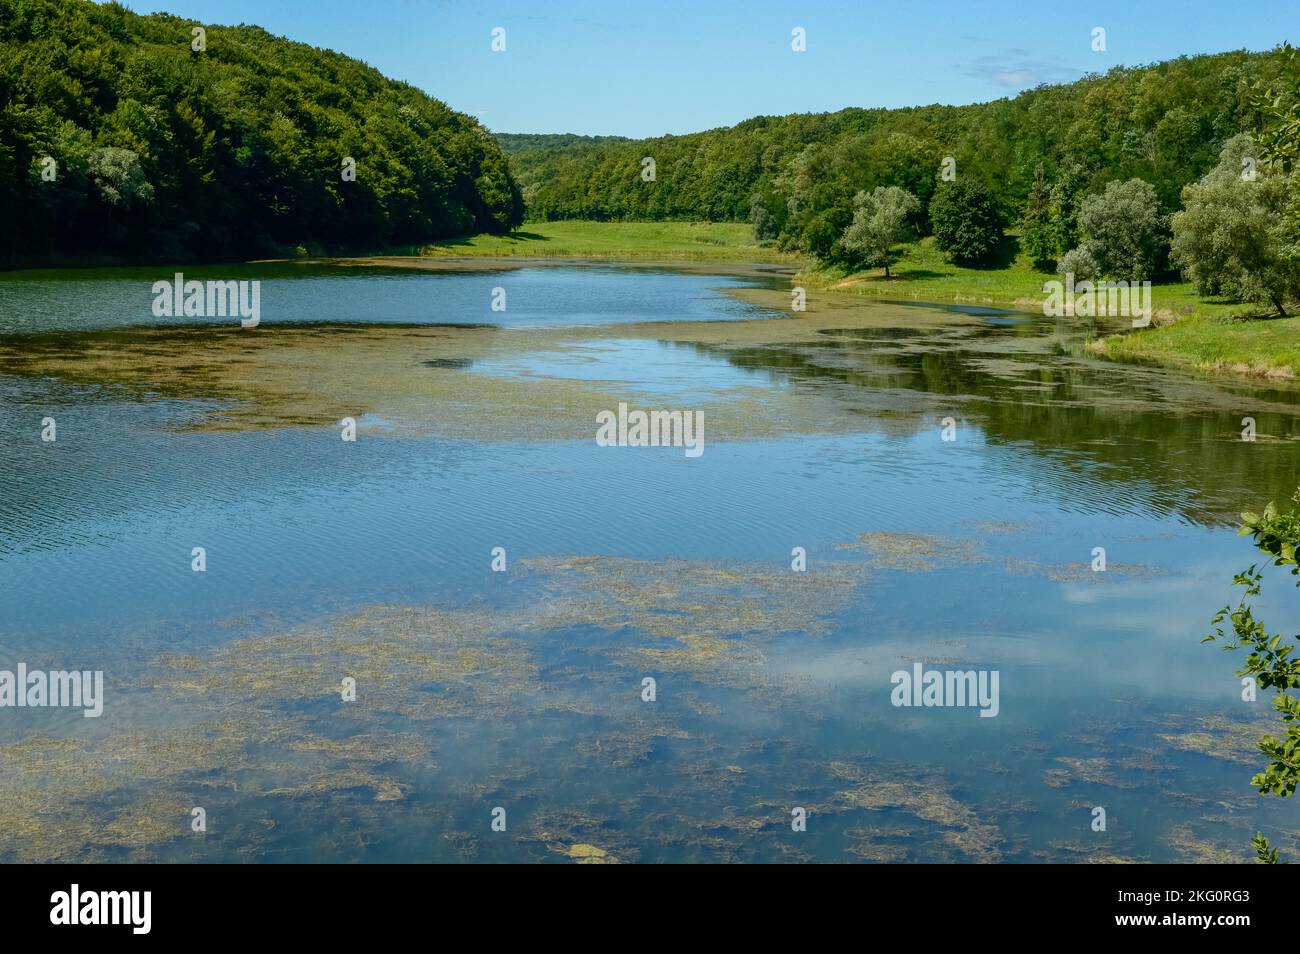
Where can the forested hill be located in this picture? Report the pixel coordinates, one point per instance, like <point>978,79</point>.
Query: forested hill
<point>1163,123</point>
<point>511,143</point>
<point>118,137</point>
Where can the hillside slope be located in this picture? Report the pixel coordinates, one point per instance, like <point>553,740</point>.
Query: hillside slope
<point>1163,123</point>
<point>512,143</point>
<point>160,151</point>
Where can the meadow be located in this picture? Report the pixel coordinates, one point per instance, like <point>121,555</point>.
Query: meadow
<point>1211,335</point>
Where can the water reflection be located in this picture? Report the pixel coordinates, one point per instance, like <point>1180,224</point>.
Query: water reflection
<point>524,688</point>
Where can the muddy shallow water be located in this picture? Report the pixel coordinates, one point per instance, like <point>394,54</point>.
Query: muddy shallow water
<point>523,689</point>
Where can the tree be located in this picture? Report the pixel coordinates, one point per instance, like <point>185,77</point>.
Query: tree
<point>112,138</point>
<point>1063,203</point>
<point>1269,660</point>
<point>820,185</point>
<point>119,179</point>
<point>880,221</point>
<point>1081,263</point>
<point>1233,236</point>
<point>1160,123</point>
<point>966,225</point>
<point>1037,239</point>
<point>1279,142</point>
<point>1124,231</point>
<point>766,226</point>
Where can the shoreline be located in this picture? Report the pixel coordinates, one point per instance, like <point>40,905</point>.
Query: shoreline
<point>1220,339</point>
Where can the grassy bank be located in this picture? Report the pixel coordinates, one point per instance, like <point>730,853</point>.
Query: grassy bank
<point>1268,348</point>
<point>1190,332</point>
<point>1222,337</point>
<point>924,274</point>
<point>691,241</point>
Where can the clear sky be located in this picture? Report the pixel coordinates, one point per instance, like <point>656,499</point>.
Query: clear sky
<point>645,68</point>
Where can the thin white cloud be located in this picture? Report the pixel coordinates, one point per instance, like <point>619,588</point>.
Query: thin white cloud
<point>1019,69</point>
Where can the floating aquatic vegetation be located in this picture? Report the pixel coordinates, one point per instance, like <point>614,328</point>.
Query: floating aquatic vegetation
<point>134,789</point>
<point>915,552</point>
<point>463,844</point>
<point>385,789</point>
<point>708,775</point>
<point>882,844</point>
<point>1090,853</point>
<point>960,826</point>
<point>644,593</point>
<point>385,747</point>
<point>561,830</point>
<point>275,738</point>
<point>150,820</point>
<point>63,798</point>
<point>589,855</point>
<point>1074,770</point>
<point>414,378</point>
<point>1196,850</point>
<point>998,526</point>
<point>698,654</point>
<point>1234,740</point>
<point>282,731</point>
<point>627,747</point>
<point>716,616</point>
<point>393,653</point>
<point>1079,572</point>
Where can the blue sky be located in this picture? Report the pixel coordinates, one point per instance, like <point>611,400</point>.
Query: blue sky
<point>645,68</point>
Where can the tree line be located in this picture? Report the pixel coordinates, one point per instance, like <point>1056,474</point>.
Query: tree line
<point>1135,174</point>
<point>118,137</point>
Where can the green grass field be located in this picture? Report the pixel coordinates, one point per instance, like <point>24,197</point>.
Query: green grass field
<point>1222,337</point>
<point>695,241</point>
<point>1190,332</point>
<point>1261,348</point>
<point>923,273</point>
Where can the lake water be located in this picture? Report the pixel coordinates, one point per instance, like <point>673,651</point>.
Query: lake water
<point>523,689</point>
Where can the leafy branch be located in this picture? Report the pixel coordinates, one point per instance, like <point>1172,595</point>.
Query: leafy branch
<point>1269,660</point>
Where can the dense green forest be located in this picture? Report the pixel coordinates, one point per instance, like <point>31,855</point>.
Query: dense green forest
<point>118,138</point>
<point>512,143</point>
<point>796,177</point>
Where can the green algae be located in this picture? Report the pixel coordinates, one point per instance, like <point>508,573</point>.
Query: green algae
<point>953,826</point>
<point>884,844</point>
<point>559,830</point>
<point>1080,572</point>
<point>915,552</point>
<point>1233,740</point>
<point>418,380</point>
<point>1092,853</point>
<point>589,855</point>
<point>961,828</point>
<point>274,737</point>
<point>391,652</point>
<point>409,663</point>
<point>1075,770</point>
<point>1194,850</point>
<point>627,747</point>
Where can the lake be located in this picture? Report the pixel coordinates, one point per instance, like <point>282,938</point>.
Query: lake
<point>884,485</point>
